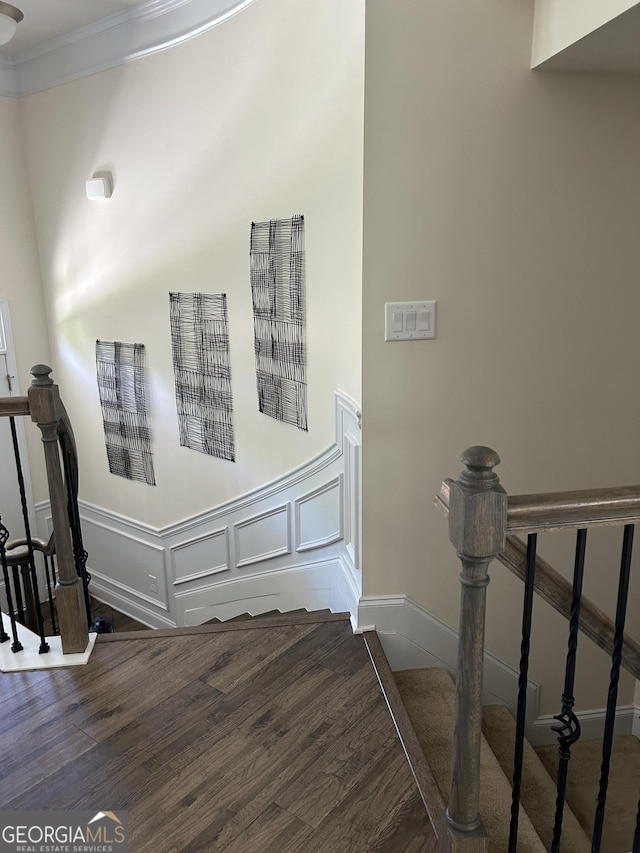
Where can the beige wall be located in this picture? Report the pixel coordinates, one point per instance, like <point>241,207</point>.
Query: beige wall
<point>511,197</point>
<point>559,23</point>
<point>260,117</point>
<point>20,280</point>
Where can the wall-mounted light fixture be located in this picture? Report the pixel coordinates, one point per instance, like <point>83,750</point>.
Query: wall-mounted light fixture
<point>100,186</point>
<point>10,17</point>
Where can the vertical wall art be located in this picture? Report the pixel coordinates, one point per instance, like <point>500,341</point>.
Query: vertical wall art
<point>122,387</point>
<point>277,288</point>
<point>202,370</point>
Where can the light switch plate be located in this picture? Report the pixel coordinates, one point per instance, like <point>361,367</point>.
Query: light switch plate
<point>410,321</point>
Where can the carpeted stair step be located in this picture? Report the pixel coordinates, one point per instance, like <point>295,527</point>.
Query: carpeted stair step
<point>538,792</point>
<point>583,782</point>
<point>429,697</point>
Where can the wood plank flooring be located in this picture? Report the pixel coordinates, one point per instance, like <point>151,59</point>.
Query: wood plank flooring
<point>261,740</point>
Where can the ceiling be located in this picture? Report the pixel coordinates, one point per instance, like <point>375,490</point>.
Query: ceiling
<point>45,20</point>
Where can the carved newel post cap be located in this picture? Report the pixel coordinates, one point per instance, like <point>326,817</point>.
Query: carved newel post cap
<point>480,462</point>
<point>41,372</point>
<point>478,506</point>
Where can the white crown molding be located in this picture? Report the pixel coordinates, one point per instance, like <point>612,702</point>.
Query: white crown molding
<point>8,77</point>
<point>144,29</point>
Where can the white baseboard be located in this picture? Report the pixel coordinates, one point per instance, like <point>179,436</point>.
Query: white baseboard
<point>112,595</point>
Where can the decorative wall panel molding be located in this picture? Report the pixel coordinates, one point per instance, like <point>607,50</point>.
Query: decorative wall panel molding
<point>320,516</point>
<point>245,541</point>
<point>277,291</point>
<point>202,371</point>
<point>136,31</point>
<point>126,559</point>
<point>353,516</point>
<point>200,557</point>
<point>263,536</point>
<point>122,386</point>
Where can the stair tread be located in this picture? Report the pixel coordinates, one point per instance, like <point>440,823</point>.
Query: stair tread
<point>582,786</point>
<point>429,697</point>
<point>538,795</point>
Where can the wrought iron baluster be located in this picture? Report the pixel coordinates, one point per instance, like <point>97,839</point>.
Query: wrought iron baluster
<point>568,730</point>
<point>73,511</point>
<point>44,646</point>
<point>17,590</point>
<point>50,576</point>
<point>636,835</point>
<point>616,657</point>
<point>16,646</point>
<point>3,634</point>
<point>522,688</point>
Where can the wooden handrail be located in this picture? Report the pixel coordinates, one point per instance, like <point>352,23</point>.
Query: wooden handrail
<point>14,406</point>
<point>566,510</point>
<point>549,583</point>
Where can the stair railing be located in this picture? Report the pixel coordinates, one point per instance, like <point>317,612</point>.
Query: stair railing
<point>483,523</point>
<point>44,406</point>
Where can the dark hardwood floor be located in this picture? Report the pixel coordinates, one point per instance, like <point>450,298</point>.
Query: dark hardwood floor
<point>252,740</point>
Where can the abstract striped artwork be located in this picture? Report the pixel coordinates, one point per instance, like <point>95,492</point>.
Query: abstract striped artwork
<point>202,372</point>
<point>121,379</point>
<point>277,289</point>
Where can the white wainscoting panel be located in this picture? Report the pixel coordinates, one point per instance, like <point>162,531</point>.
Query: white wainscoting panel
<point>126,560</point>
<point>238,556</point>
<point>263,537</point>
<point>319,516</point>
<point>352,506</point>
<point>201,556</point>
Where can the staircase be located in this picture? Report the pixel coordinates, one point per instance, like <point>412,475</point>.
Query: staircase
<point>483,786</point>
<point>429,697</point>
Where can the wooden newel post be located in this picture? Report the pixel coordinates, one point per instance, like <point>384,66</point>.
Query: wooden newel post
<point>477,529</point>
<point>46,412</point>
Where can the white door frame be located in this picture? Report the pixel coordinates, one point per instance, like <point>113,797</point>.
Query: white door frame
<point>7,349</point>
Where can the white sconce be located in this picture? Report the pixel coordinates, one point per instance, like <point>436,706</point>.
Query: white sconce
<point>100,186</point>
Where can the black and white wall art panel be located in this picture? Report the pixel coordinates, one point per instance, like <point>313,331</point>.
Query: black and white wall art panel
<point>278,293</point>
<point>202,371</point>
<point>122,386</point>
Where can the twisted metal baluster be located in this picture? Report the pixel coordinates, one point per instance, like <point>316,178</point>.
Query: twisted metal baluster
<point>73,512</point>
<point>616,658</point>
<point>44,646</point>
<point>16,646</point>
<point>569,729</point>
<point>522,688</point>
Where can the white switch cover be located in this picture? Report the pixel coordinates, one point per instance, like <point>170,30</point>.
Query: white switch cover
<point>418,321</point>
